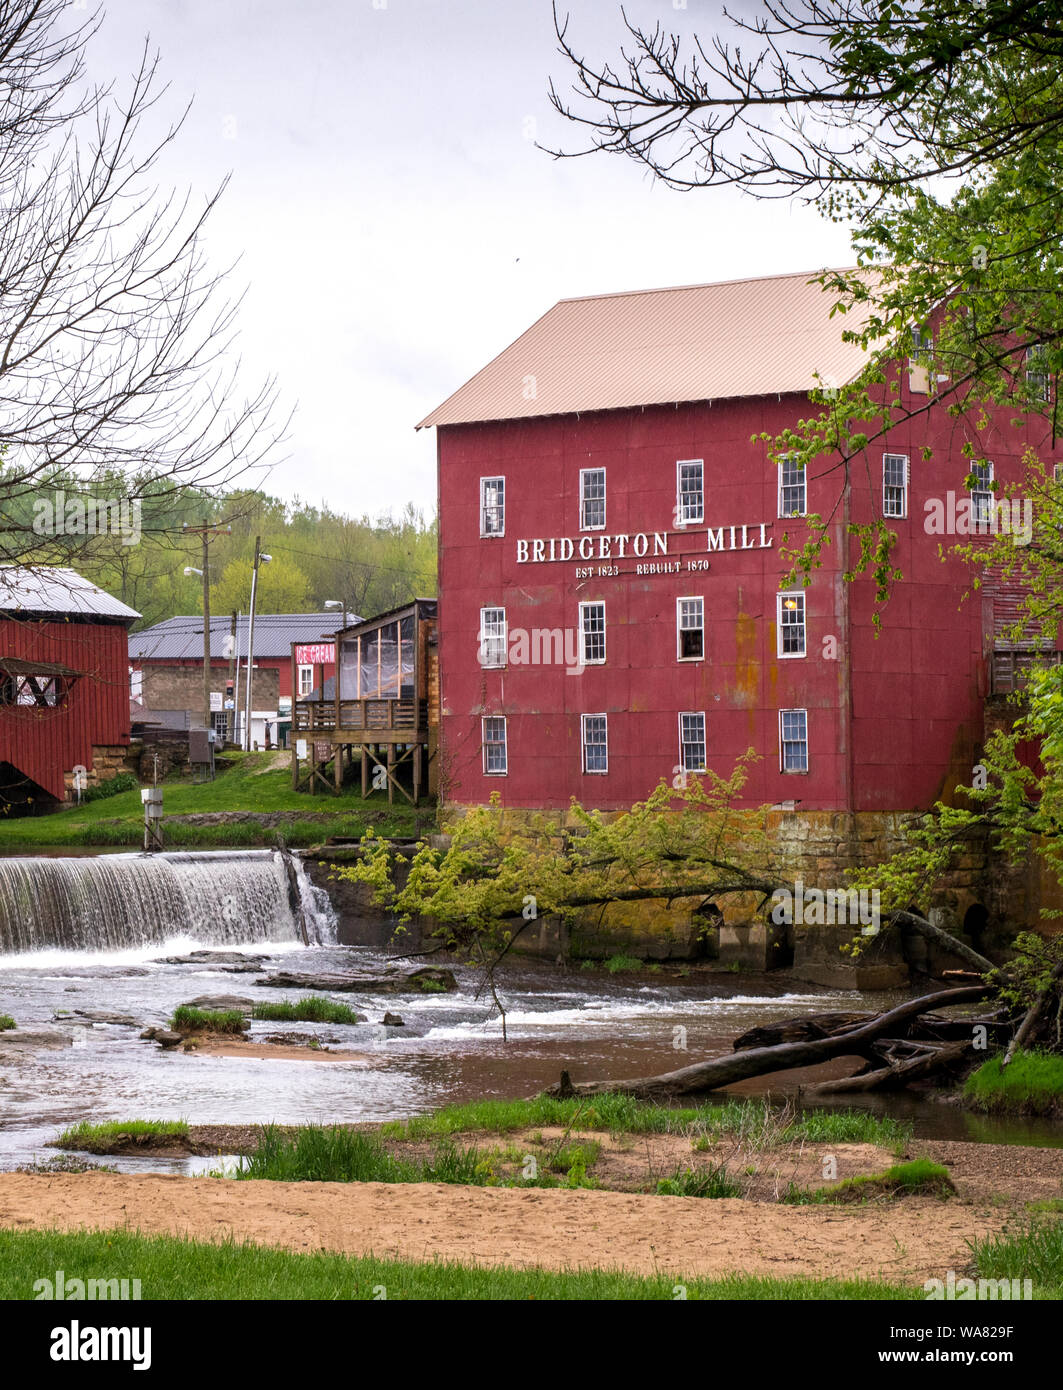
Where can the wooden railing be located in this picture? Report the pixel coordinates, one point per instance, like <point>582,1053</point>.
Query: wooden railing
<point>360,716</point>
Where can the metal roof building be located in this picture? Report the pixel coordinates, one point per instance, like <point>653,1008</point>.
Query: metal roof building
<point>741,338</point>
<point>46,590</point>
<point>181,638</point>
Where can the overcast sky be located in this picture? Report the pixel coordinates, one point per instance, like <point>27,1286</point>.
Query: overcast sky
<point>397,225</point>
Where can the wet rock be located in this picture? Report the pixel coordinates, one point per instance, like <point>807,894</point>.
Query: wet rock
<point>220,1001</point>
<point>50,1038</point>
<point>428,980</point>
<point>166,1038</point>
<point>103,1016</point>
<point>236,959</point>
<point>393,1021</point>
<point>148,1034</point>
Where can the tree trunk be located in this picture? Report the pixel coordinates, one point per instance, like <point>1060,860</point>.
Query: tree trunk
<point>740,1066</point>
<point>900,1074</point>
<point>1031,1017</point>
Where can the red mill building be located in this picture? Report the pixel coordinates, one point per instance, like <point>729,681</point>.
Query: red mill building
<point>610,565</point>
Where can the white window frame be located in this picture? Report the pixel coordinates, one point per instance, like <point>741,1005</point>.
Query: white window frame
<point>680,628</point>
<point>499,637</point>
<point>907,476</point>
<point>502,771</point>
<point>486,534</point>
<point>584,745</point>
<point>781,624</point>
<point>1043,393</point>
<point>304,671</point>
<point>681,517</point>
<point>783,485</point>
<point>584,524</point>
<point>584,659</point>
<point>988,492</point>
<point>693,714</point>
<point>785,742</point>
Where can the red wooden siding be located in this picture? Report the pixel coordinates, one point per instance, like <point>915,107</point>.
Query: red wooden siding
<point>45,744</point>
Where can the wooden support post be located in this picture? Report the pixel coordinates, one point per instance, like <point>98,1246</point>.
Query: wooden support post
<point>337,766</point>
<point>416,773</point>
<point>365,772</point>
<point>391,781</point>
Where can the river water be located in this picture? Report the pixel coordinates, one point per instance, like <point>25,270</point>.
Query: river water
<point>450,1048</point>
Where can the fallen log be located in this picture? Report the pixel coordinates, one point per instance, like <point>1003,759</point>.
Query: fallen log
<point>1032,1016</point>
<point>740,1066</point>
<point>897,1074</point>
<point>800,1029</point>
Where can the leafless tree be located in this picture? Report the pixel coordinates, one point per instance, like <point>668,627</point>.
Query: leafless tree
<point>117,355</point>
<point>819,96</point>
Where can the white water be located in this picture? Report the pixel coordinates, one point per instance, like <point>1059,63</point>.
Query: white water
<point>117,902</point>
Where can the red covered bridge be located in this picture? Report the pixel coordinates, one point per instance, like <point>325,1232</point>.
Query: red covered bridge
<point>64,685</point>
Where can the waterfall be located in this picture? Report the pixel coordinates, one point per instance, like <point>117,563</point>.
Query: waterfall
<point>112,901</point>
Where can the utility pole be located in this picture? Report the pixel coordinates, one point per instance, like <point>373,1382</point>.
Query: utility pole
<point>260,558</point>
<point>230,685</point>
<point>206,532</point>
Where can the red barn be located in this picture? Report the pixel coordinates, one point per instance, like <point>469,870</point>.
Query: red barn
<point>610,564</point>
<point>64,685</point>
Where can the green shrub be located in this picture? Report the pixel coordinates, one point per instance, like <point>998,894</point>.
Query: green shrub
<point>1030,1250</point>
<point>6,1023</point>
<point>124,782</point>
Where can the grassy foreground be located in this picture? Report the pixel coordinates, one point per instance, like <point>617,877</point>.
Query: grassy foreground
<point>243,785</point>
<point>169,1268</point>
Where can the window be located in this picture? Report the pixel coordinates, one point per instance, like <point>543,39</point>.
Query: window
<point>793,740</point>
<point>493,729</point>
<point>219,722</point>
<point>690,629</point>
<point>790,624</point>
<point>922,347</point>
<point>43,691</point>
<point>690,490</point>
<point>492,506</point>
<point>1036,373</point>
<point>591,634</point>
<point>306,680</point>
<point>692,742</point>
<point>894,484</point>
<point>492,637</point>
<point>982,491</point>
<point>792,500</point>
<point>592,499</point>
<point>595,739</point>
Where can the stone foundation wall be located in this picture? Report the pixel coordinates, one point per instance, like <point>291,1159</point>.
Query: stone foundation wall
<point>107,763</point>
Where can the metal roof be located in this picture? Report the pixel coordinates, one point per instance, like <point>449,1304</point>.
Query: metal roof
<point>181,638</point>
<point>41,589</point>
<point>757,337</point>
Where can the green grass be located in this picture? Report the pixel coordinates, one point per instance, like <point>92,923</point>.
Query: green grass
<point>305,1011</point>
<point>617,964</point>
<point>174,1269</point>
<point>323,1153</point>
<point>752,1121</point>
<point>97,1138</point>
<point>1032,1249</point>
<point>240,785</point>
<point>1031,1084</point>
<point>187,1019</point>
<point>694,1182</point>
<point>918,1176</point>
<point>6,1023</point>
